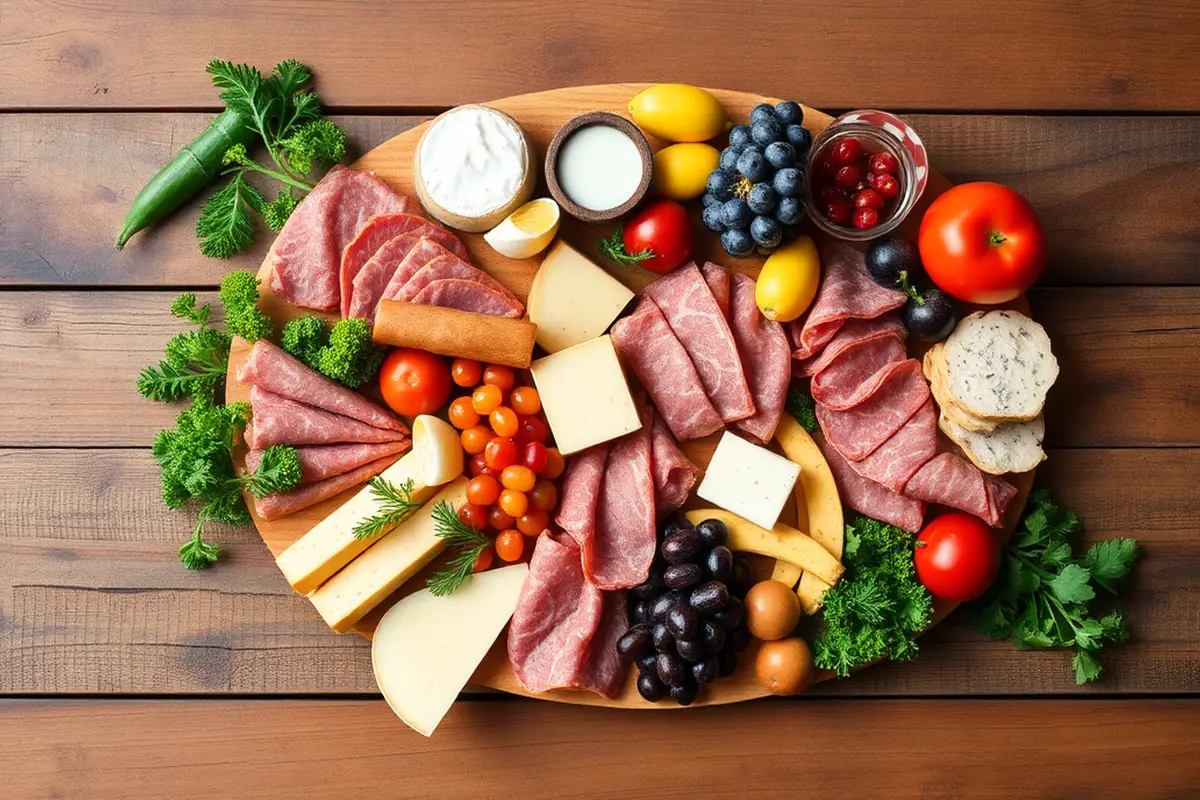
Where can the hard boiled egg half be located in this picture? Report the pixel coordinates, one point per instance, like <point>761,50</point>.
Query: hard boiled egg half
<point>527,231</point>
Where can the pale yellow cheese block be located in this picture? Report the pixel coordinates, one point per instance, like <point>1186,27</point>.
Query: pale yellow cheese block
<point>572,300</point>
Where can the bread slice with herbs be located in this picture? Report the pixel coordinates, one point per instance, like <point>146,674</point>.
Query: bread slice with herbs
<point>950,409</point>
<point>998,365</point>
<point>1011,447</point>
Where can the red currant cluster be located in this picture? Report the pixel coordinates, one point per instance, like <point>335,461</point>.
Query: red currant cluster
<point>854,187</point>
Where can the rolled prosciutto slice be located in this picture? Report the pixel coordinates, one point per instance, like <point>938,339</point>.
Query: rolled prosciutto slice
<point>766,358</point>
<point>278,420</point>
<point>274,506</point>
<point>868,497</point>
<point>318,462</point>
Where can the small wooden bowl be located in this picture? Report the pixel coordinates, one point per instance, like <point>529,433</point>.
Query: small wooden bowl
<point>613,121</point>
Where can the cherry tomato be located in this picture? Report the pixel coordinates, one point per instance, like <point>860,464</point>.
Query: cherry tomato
<point>483,490</point>
<point>500,452</point>
<point>883,162</point>
<point>504,422</point>
<point>414,381</point>
<point>662,227</point>
<point>555,464</point>
<point>486,399</point>
<point>462,415</point>
<point>848,176</point>
<point>500,520</point>
<point>956,557</point>
<point>518,477</point>
<point>475,439</point>
<point>513,502</point>
<point>544,495</point>
<point>525,400</point>
<point>465,372</point>
<point>533,522</point>
<point>483,561</point>
<point>982,243</point>
<point>846,151</point>
<point>533,455</point>
<point>473,516</point>
<point>532,429</point>
<point>510,545</point>
<point>478,466</point>
<point>498,375</point>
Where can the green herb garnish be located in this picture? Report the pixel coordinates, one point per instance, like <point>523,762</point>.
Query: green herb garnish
<point>397,505</point>
<point>471,544</point>
<point>342,352</point>
<point>613,248</point>
<point>800,405</point>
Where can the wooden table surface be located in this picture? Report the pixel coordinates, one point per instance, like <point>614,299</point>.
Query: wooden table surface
<point>123,675</point>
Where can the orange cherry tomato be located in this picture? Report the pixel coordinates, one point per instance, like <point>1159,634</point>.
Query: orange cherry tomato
<point>525,400</point>
<point>532,430</point>
<point>483,490</point>
<point>499,452</point>
<point>499,376</point>
<point>514,503</point>
<point>500,520</point>
<point>510,545</point>
<point>475,439</point>
<point>518,477</point>
<point>478,466</point>
<point>483,561</point>
<point>544,495</point>
<point>504,422</point>
<point>462,414</point>
<point>414,382</point>
<point>486,399</point>
<point>555,464</point>
<point>474,516</point>
<point>465,372</point>
<point>533,522</point>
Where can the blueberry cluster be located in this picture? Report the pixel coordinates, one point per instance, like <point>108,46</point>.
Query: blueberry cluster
<point>753,199</point>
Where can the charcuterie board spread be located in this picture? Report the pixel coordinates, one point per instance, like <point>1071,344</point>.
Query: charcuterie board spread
<point>629,395</point>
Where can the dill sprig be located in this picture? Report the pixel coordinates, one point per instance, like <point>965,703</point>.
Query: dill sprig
<point>397,505</point>
<point>457,533</point>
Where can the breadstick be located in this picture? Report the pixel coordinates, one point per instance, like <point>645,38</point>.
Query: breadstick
<point>450,332</point>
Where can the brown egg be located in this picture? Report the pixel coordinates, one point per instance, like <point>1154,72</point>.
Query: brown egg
<point>784,667</point>
<point>772,610</point>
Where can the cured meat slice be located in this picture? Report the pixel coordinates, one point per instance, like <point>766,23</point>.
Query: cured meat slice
<point>319,462</point>
<point>854,331</point>
<point>449,266</point>
<point>275,370</point>
<point>674,475</point>
<point>646,343</point>
<point>602,670</point>
<point>373,279</point>
<point>857,373</point>
<point>868,497</point>
<point>620,553</point>
<point>278,420</point>
<point>469,296</point>
<point>307,254</point>
<point>949,480</point>
<point>425,250</point>
<point>766,358</point>
<point>580,492</point>
<point>717,278</point>
<point>857,432</point>
<point>692,312</point>
<point>908,449</point>
<point>274,506</point>
<point>847,292</point>
<point>377,232</point>
<point>558,614</point>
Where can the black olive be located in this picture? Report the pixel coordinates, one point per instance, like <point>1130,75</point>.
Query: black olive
<point>648,664</point>
<point>739,638</point>
<point>681,547</point>
<point>719,563</point>
<point>683,622</point>
<point>690,650</point>
<point>888,258</point>
<point>664,640</point>
<point>709,598</point>
<point>742,577</point>
<point>712,636</point>
<point>731,615</point>
<point>726,663</point>
<point>932,318</point>
<point>660,605</point>
<point>670,669</point>
<point>640,611</point>
<point>686,693</point>
<point>652,586</point>
<point>712,532</point>
<point>683,576</point>
<point>676,524</point>
<point>705,671</point>
<point>651,688</point>
<point>635,643</point>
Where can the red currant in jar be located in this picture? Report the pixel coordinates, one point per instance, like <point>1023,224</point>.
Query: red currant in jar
<point>846,151</point>
<point>887,186</point>
<point>866,218</point>
<point>838,211</point>
<point>848,176</point>
<point>868,198</point>
<point>825,171</point>
<point>884,162</point>
<point>873,178</point>
<point>832,194</point>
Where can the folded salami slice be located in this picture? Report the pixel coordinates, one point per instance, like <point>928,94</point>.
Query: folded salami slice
<point>619,555</point>
<point>373,279</point>
<point>378,230</point>
<point>451,266</point>
<point>717,278</point>
<point>278,420</point>
<point>766,357</point>
<point>318,462</point>
<point>847,292</point>
<point>908,449</point>
<point>274,506</point>
<point>580,493</point>
<point>273,369</point>
<point>949,480</point>
<point>647,345</point>
<point>857,373</point>
<point>698,322</point>
<point>868,497</point>
<point>601,671</point>
<point>857,432</point>
<point>853,332</point>
<point>674,475</point>
<point>469,296</point>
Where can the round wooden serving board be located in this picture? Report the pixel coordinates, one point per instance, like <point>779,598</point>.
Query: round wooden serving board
<point>541,115</point>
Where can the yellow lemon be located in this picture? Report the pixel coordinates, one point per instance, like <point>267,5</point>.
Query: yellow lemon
<point>789,280</point>
<point>527,231</point>
<point>681,170</point>
<point>679,113</point>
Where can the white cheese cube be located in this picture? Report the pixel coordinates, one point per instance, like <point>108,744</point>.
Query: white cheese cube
<point>749,480</point>
<point>573,300</point>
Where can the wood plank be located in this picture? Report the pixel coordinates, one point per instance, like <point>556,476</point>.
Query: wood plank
<point>1130,366</point>
<point>844,748</point>
<point>1036,54</point>
<point>93,600</point>
<point>1080,173</point>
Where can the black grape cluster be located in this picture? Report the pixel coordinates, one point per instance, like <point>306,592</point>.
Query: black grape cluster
<point>754,198</point>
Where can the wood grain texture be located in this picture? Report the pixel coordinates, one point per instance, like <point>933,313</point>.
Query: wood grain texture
<point>284,749</point>
<point>92,598</point>
<point>1081,173</point>
<point>1029,54</point>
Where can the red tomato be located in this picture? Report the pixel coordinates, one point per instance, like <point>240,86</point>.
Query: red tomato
<point>533,455</point>
<point>532,429</point>
<point>414,382</point>
<point>982,243</point>
<point>474,516</point>
<point>664,229</point>
<point>956,557</point>
<point>500,452</point>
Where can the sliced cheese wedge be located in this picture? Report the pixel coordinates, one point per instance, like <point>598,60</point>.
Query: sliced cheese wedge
<point>398,555</point>
<point>426,648</point>
<point>572,300</point>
